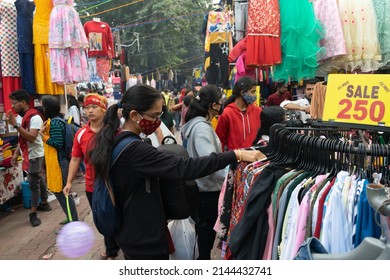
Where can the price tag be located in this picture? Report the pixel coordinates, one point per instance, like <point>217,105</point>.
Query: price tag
<point>358,99</point>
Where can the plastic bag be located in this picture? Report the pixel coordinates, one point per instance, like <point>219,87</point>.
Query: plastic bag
<point>184,239</point>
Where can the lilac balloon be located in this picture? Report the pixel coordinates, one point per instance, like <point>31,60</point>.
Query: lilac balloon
<point>75,239</point>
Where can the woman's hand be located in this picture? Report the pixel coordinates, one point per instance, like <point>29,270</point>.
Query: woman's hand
<point>249,155</point>
<point>67,189</point>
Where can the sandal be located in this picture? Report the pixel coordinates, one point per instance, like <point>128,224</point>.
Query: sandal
<point>104,257</point>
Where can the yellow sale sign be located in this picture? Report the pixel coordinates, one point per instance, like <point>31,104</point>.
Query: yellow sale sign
<point>358,99</point>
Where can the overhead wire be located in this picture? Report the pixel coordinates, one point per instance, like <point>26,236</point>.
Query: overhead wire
<point>88,4</point>
<point>156,21</point>
<point>170,66</point>
<point>112,9</point>
<point>100,3</point>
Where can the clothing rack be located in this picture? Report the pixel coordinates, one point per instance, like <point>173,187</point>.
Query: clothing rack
<point>288,146</point>
<point>271,214</point>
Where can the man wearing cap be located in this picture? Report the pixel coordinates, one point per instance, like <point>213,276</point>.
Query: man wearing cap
<point>95,106</point>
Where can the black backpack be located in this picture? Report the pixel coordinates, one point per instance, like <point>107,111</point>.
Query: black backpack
<point>180,197</point>
<point>105,211</point>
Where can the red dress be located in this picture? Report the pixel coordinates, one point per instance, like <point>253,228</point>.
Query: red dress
<point>263,37</point>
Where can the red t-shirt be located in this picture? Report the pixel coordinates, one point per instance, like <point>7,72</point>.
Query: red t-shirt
<point>275,99</point>
<point>80,149</point>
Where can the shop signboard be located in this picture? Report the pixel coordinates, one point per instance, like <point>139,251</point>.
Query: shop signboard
<point>358,99</point>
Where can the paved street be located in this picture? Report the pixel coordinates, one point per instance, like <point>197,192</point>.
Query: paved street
<point>21,241</point>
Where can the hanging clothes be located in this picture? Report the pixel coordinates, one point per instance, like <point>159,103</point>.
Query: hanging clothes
<point>41,20</point>
<point>67,44</point>
<point>301,34</point>
<point>10,66</point>
<point>263,36</point>
<point>317,103</point>
<point>218,44</point>
<point>240,19</point>
<point>8,40</point>
<point>360,31</point>
<point>382,10</point>
<point>24,20</point>
<point>327,12</point>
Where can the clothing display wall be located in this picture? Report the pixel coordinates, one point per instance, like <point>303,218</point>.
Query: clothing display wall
<point>313,38</point>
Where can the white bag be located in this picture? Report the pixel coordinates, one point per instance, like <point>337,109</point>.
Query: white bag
<point>184,239</point>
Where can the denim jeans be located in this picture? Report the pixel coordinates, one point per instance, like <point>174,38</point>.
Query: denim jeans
<point>310,246</point>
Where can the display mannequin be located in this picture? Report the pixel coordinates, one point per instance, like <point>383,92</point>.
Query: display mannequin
<point>100,38</point>
<point>101,46</point>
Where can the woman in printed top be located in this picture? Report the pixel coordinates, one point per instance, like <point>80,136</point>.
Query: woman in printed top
<point>53,133</point>
<point>238,124</point>
<point>95,106</point>
<point>144,233</point>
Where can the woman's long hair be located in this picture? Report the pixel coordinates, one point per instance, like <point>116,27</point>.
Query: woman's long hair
<point>139,97</point>
<point>199,106</point>
<point>72,101</point>
<point>51,107</point>
<point>243,84</point>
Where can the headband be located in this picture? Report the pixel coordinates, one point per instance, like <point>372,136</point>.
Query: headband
<point>93,100</point>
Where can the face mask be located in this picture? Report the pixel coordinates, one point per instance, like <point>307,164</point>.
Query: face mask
<point>220,110</point>
<point>249,99</point>
<point>148,127</point>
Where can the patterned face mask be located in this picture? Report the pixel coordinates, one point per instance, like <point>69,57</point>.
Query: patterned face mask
<point>147,126</point>
<point>249,99</point>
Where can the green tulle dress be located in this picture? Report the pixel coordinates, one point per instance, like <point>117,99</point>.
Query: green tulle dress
<point>301,33</point>
<point>382,10</point>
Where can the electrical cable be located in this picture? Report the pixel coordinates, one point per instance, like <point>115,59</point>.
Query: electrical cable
<point>112,9</point>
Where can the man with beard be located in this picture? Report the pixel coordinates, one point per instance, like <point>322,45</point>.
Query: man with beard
<point>30,146</point>
<point>302,106</point>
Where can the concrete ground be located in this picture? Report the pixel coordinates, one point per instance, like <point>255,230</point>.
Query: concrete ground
<point>21,241</point>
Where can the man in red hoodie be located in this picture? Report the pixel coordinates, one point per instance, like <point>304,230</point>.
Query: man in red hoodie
<point>238,124</point>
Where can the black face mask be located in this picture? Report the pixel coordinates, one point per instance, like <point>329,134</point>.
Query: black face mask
<point>219,111</point>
